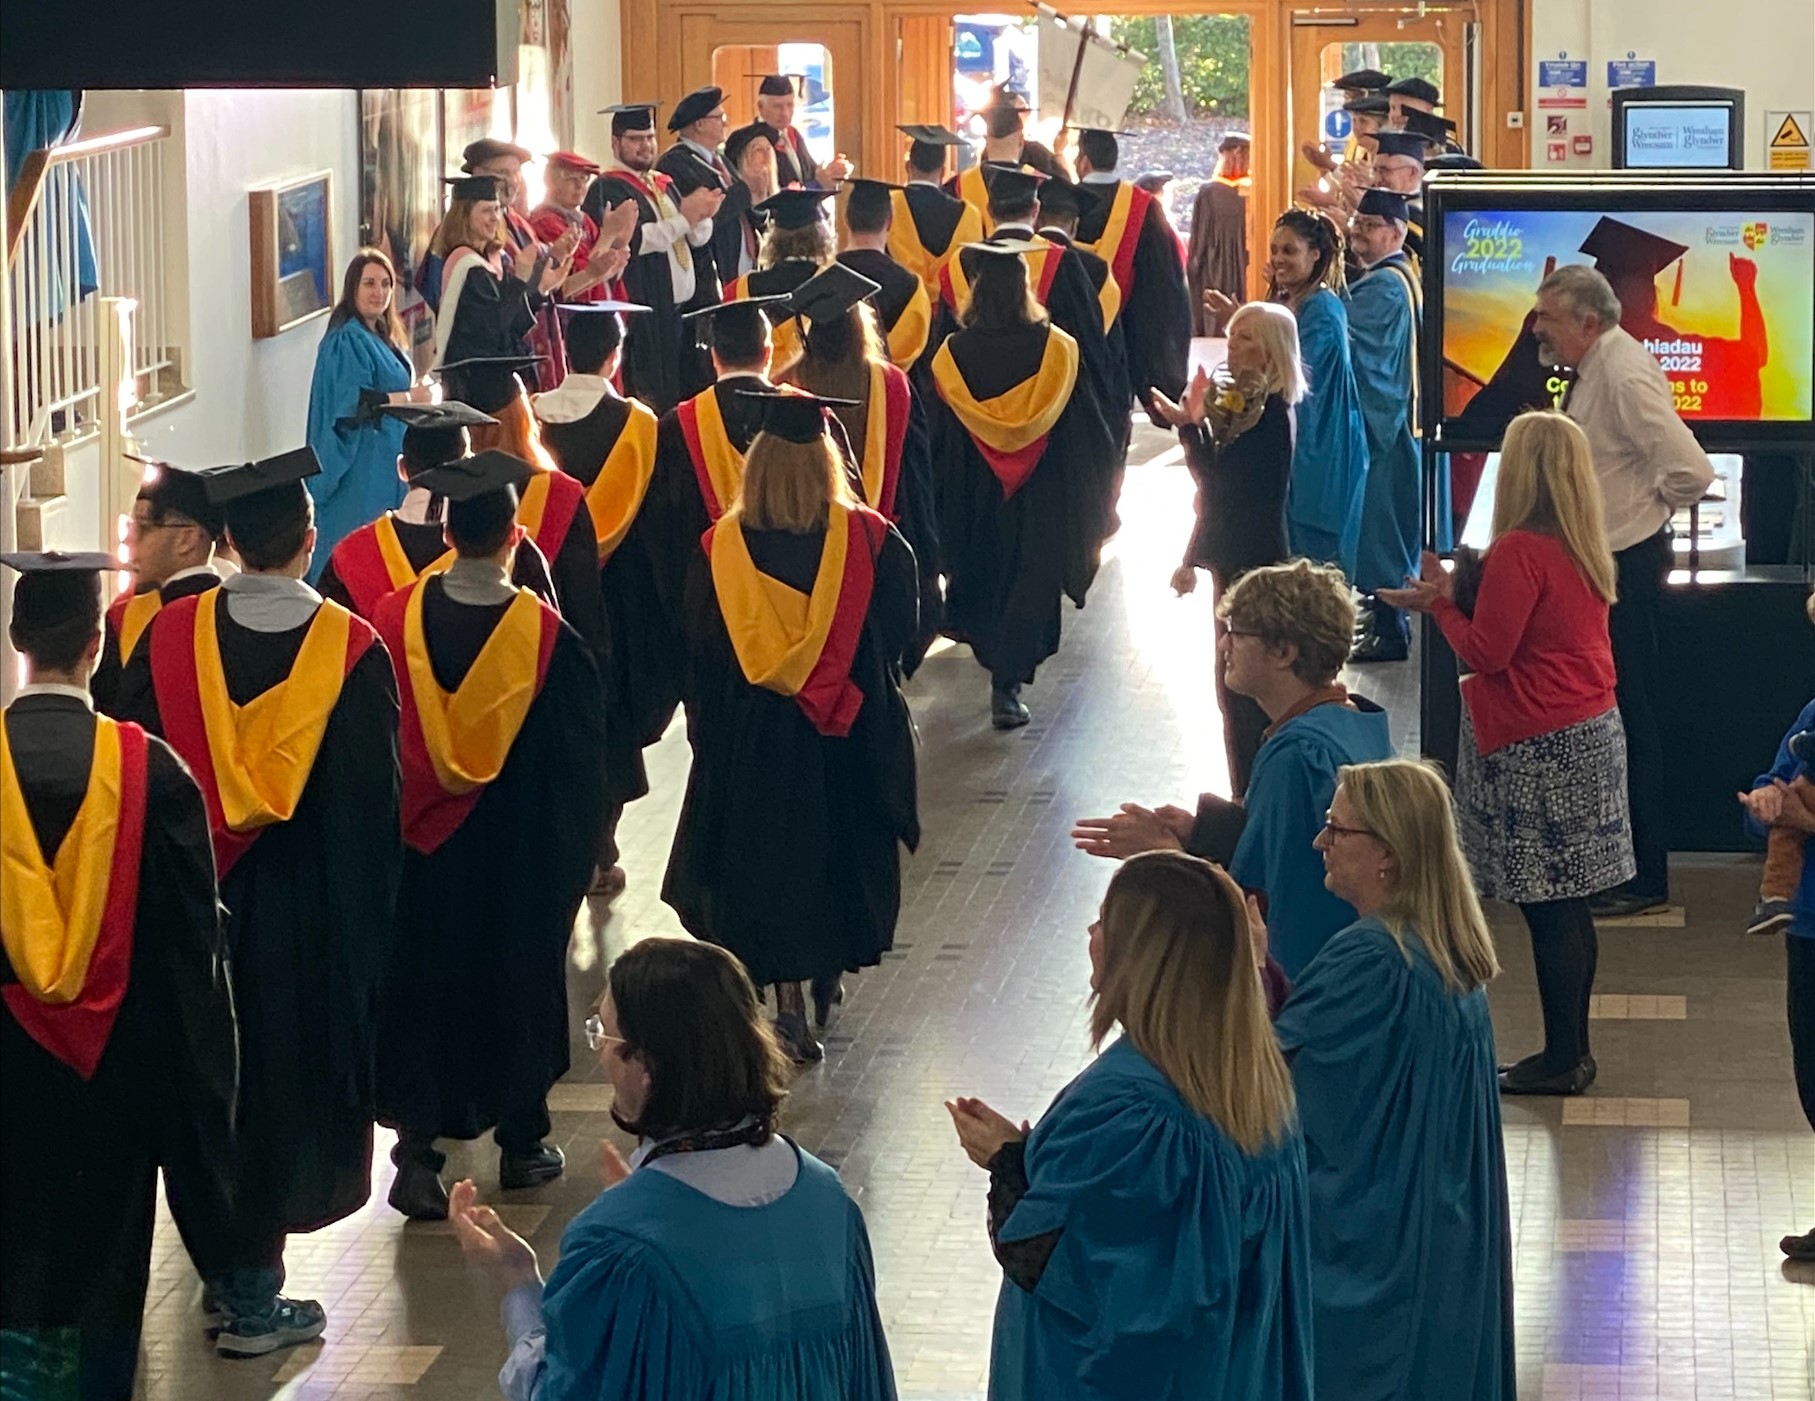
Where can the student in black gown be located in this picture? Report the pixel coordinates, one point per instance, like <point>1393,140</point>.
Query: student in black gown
<point>1061,204</point>
<point>607,443</point>
<point>798,242</point>
<point>884,426</point>
<point>929,224</point>
<point>394,550</point>
<point>902,304</point>
<point>1022,488</point>
<point>118,1064</point>
<point>1004,143</point>
<point>1128,229</point>
<point>664,271</point>
<point>309,850</point>
<point>473,1012</point>
<point>802,790</point>
<point>170,541</point>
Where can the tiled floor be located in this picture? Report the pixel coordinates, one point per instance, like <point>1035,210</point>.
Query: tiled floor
<point>1645,1216</point>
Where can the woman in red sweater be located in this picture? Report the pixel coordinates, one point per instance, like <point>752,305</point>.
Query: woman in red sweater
<point>1541,771</point>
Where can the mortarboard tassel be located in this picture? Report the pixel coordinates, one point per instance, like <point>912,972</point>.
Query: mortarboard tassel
<point>1676,295</point>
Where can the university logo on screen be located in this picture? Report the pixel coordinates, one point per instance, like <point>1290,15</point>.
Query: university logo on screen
<point>1664,137</point>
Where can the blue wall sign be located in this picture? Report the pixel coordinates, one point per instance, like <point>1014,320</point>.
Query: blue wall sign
<point>1336,125</point>
<point>1630,72</point>
<point>1563,73</point>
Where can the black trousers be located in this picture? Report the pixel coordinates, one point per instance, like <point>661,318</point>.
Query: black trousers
<point>1801,1008</point>
<point>1565,951</point>
<point>1632,626</point>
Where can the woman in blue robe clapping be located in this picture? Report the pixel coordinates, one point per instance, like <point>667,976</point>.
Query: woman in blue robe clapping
<point>1151,1227</point>
<point>723,1261</point>
<point>1392,1053</point>
<point>362,363</point>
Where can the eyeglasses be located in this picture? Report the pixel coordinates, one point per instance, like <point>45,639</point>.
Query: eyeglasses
<point>1336,829</point>
<point>596,1035</point>
<point>1366,223</point>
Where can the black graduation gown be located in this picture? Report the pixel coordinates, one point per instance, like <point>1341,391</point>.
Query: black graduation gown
<point>473,1013</point>
<point>309,916</point>
<point>493,318</point>
<point>898,284</point>
<point>114,683</point>
<point>424,542</point>
<point>784,277</point>
<point>936,213</point>
<point>735,223</point>
<point>641,670</point>
<point>683,165</point>
<point>1009,561</point>
<point>794,163</point>
<point>658,346</point>
<point>1116,375</point>
<point>79,1159</point>
<point>787,848</point>
<point>1157,309</point>
<point>574,568</point>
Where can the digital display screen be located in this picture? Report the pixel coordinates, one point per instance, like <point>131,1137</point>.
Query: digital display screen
<point>1724,301</point>
<point>1678,135</point>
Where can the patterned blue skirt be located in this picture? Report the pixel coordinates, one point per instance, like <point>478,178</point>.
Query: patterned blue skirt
<point>1545,818</point>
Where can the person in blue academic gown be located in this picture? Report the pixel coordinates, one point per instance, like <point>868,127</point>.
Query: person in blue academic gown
<point>1152,1227</point>
<point>1288,633</point>
<point>722,1261</point>
<point>1330,448</point>
<point>1384,309</point>
<point>360,365</point>
<point>1392,1053</point>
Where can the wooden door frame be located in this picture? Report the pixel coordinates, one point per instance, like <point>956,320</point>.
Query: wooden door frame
<point>653,65</point>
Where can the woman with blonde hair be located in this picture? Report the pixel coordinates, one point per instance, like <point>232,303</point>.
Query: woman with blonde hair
<point>1392,1055</point>
<point>799,243</point>
<point>1541,771</point>
<point>1237,427</point>
<point>802,789</point>
<point>1151,1228</point>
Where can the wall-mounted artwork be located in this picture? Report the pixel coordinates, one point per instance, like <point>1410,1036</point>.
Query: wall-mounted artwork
<point>292,253</point>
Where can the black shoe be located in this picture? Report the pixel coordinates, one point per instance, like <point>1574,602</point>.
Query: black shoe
<point>516,1170</point>
<point>796,1040</point>
<point>1381,647</point>
<point>1516,1081</point>
<point>417,1192</point>
<point>1005,709</point>
<point>827,994</point>
<point>1799,1247</point>
<point>1625,904</point>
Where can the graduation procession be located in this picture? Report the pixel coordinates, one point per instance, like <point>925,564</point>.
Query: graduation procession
<point>773,772</point>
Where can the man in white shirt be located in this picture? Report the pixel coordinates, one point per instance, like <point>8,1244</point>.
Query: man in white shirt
<point>1649,465</point>
<point>659,358</point>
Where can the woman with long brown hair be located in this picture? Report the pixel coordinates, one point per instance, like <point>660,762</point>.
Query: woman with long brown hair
<point>802,790</point>
<point>1151,1227</point>
<point>363,362</point>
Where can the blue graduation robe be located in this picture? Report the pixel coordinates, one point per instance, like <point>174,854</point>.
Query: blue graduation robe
<point>1411,1256</point>
<point>358,481</point>
<point>1181,1268</point>
<point>1330,454</point>
<point>1288,794</point>
<point>664,1293</point>
<point>1383,320</point>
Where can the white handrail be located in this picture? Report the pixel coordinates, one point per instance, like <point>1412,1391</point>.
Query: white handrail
<point>85,223</point>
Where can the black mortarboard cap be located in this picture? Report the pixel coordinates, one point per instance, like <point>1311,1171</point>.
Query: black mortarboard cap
<point>1385,204</point>
<point>1233,139</point>
<point>707,313</point>
<point>1419,88</point>
<point>1152,181</point>
<point>797,417</point>
<point>1007,247</point>
<point>831,292</point>
<point>1438,129</point>
<point>1065,199</point>
<point>59,562</point>
<point>701,102</point>
<point>740,140</point>
<point>452,414</point>
<point>584,308</point>
<point>1004,98</point>
<point>170,488</point>
<point>869,200</point>
<point>1619,248</point>
<point>487,383</point>
<point>777,85</point>
<point>1453,160</point>
<point>1012,181</point>
<point>631,116</point>
<point>760,312</point>
<point>1404,143</point>
<point>1370,104</point>
<point>1362,80</point>
<point>931,134</point>
<point>796,209</point>
<point>497,362</point>
<point>467,477</point>
<point>239,480</point>
<point>476,187</point>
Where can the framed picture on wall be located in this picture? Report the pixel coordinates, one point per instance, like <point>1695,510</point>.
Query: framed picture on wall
<point>292,253</point>
<point>401,195</point>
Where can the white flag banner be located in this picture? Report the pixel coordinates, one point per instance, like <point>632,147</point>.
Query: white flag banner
<point>1105,82</point>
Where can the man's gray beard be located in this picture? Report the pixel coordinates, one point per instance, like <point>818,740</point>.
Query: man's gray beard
<point>1548,353</point>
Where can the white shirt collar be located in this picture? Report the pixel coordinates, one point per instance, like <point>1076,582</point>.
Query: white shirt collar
<point>414,508</point>
<point>1015,226</point>
<point>190,572</point>
<point>572,399</point>
<point>1100,177</point>
<point>699,148</point>
<point>56,688</point>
